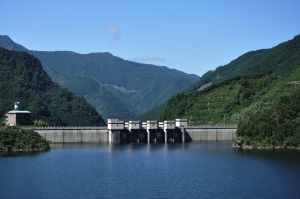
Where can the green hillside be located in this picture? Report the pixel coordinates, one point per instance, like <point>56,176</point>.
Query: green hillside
<point>154,92</point>
<point>105,103</point>
<point>233,69</point>
<point>132,81</point>
<point>278,125</point>
<point>24,79</point>
<point>152,114</point>
<point>265,107</point>
<point>136,83</point>
<point>228,102</point>
<point>282,59</point>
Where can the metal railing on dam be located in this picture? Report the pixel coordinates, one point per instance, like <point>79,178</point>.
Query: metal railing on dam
<point>229,126</point>
<point>132,131</point>
<point>68,127</point>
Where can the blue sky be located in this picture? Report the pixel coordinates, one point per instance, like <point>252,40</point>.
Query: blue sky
<point>191,36</point>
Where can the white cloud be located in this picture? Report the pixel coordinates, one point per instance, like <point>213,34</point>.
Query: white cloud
<point>175,61</point>
<point>115,31</point>
<point>145,59</point>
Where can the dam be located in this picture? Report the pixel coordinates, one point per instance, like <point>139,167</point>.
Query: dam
<point>134,132</point>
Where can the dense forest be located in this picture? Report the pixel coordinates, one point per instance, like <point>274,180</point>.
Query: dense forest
<point>265,107</point>
<point>15,138</point>
<point>227,102</point>
<point>278,125</point>
<point>283,61</point>
<point>22,78</point>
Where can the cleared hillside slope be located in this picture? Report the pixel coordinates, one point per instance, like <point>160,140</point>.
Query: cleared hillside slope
<point>106,103</point>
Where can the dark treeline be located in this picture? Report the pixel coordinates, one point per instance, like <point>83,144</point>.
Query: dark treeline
<point>24,139</point>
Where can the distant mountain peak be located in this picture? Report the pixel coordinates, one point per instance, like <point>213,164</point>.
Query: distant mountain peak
<point>7,43</point>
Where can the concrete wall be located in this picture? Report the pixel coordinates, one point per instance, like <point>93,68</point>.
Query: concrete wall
<point>74,134</point>
<point>11,119</point>
<point>209,134</point>
<point>100,134</point>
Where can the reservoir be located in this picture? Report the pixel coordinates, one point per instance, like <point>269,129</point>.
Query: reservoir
<point>179,170</point>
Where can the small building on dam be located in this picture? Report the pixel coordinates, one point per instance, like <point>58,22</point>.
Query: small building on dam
<point>18,117</point>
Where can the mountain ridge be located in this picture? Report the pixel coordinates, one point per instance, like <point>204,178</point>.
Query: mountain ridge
<point>111,70</point>
<point>282,59</point>
<point>4,39</point>
<point>286,55</point>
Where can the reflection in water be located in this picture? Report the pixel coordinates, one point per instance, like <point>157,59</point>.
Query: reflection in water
<point>179,170</point>
<point>21,153</point>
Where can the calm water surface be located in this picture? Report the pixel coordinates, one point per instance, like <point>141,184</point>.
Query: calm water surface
<point>189,170</point>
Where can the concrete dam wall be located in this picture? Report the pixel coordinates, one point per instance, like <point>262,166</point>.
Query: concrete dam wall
<point>141,134</point>
<point>74,134</point>
<point>210,134</point>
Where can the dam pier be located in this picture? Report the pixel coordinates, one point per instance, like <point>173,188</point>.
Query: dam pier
<point>133,132</point>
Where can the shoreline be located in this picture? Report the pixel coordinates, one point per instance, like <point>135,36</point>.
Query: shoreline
<point>14,150</point>
<point>239,143</point>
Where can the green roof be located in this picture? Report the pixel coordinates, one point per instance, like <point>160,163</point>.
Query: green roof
<point>18,112</point>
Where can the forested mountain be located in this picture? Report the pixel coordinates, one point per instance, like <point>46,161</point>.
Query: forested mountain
<point>282,59</point>
<point>144,86</point>
<point>105,103</point>
<point>24,79</point>
<point>226,102</point>
<point>231,101</point>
